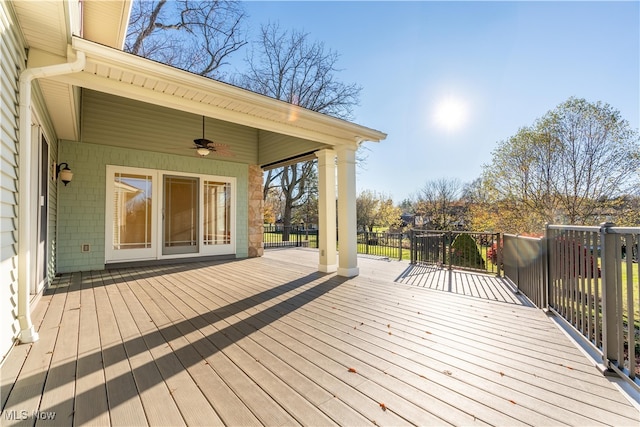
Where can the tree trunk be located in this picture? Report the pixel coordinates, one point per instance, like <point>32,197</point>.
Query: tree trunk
<point>286,219</point>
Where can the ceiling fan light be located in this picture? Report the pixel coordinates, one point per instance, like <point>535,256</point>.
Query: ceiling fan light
<point>202,151</point>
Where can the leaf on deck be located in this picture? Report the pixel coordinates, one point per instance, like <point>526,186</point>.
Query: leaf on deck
<point>383,406</point>
<point>353,370</point>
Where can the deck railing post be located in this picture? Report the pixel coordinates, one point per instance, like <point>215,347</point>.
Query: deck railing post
<point>366,241</point>
<point>610,338</point>
<point>498,238</point>
<point>449,238</point>
<point>518,263</point>
<point>546,268</point>
<point>400,246</point>
<point>414,246</point>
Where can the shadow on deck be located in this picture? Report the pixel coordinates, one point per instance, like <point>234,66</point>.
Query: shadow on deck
<point>478,285</point>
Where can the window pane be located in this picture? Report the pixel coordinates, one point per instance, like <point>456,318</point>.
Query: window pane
<point>217,213</point>
<point>132,211</point>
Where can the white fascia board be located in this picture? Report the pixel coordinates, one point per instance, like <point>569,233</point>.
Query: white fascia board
<point>101,84</point>
<point>330,129</point>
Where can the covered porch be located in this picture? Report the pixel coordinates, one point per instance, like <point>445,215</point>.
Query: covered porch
<point>270,340</point>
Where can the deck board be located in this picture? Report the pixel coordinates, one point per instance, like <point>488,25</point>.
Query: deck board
<point>318,375</point>
<point>91,401</point>
<point>270,341</point>
<point>60,383</point>
<point>209,346</point>
<point>26,394</point>
<point>11,366</point>
<point>132,319</point>
<point>118,375</point>
<point>244,354</point>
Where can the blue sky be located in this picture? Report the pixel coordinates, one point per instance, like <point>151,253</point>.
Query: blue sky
<point>488,68</point>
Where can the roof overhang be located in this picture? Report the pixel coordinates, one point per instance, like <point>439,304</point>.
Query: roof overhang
<point>106,22</point>
<point>123,74</point>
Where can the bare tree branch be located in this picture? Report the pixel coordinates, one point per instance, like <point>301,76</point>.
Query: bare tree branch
<point>197,36</point>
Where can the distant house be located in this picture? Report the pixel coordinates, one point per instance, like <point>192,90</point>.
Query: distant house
<point>412,220</point>
<point>125,127</point>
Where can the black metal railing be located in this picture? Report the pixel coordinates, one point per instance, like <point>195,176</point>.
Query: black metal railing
<point>525,264</point>
<point>588,276</point>
<point>457,249</point>
<point>593,283</point>
<point>383,244</point>
<point>279,236</point>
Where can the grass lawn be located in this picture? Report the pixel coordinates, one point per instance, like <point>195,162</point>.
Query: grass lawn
<point>635,291</point>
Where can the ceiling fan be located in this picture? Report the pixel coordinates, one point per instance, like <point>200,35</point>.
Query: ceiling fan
<point>204,146</point>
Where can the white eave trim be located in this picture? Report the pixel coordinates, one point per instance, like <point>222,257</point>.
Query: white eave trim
<point>308,124</point>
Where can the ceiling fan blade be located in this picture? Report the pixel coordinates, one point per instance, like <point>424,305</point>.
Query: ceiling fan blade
<point>203,142</point>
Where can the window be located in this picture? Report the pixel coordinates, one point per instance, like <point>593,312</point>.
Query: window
<point>217,208</point>
<point>132,201</point>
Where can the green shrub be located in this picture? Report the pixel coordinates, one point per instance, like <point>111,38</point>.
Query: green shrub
<point>465,253</point>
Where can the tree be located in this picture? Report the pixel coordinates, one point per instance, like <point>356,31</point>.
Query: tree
<point>600,154</point>
<point>567,167</point>
<point>439,202</point>
<point>376,210</point>
<point>286,66</point>
<point>625,210</point>
<point>273,205</point>
<point>481,212</point>
<point>194,35</point>
<point>521,179</point>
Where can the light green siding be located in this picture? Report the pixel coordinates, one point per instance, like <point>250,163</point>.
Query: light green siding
<point>81,204</point>
<point>275,147</point>
<point>112,120</point>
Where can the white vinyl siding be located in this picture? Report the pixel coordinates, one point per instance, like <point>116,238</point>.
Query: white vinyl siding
<point>10,61</point>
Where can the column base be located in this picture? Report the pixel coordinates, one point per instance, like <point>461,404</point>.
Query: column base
<point>348,272</point>
<point>28,335</point>
<point>322,268</point>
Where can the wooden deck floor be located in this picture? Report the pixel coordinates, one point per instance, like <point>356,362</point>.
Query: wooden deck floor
<point>479,285</point>
<point>270,341</point>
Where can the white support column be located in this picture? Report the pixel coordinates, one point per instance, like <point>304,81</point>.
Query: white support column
<point>327,210</point>
<point>347,224</point>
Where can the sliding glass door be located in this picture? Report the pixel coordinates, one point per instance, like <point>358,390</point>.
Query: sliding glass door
<point>180,215</point>
<point>153,214</point>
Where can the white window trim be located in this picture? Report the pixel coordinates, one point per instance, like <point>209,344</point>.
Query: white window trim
<point>155,252</point>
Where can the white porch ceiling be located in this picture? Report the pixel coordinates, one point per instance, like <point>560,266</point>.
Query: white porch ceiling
<point>47,27</point>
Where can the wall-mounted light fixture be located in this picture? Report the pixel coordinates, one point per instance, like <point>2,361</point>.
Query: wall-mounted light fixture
<point>64,173</point>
